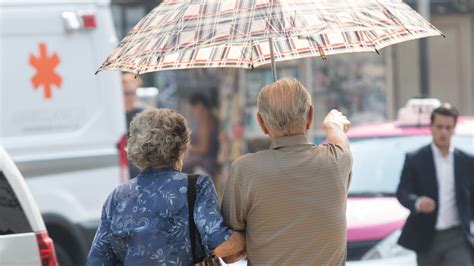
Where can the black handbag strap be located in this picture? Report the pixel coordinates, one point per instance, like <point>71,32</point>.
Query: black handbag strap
<point>192,179</point>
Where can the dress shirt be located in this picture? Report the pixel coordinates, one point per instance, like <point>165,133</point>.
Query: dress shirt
<point>448,216</point>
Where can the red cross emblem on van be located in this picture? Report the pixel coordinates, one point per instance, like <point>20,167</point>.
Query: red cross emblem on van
<point>45,75</point>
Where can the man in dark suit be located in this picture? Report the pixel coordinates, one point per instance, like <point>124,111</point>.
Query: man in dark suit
<point>436,185</point>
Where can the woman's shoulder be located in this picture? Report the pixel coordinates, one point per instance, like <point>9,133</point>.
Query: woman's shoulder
<point>126,187</point>
<point>123,189</point>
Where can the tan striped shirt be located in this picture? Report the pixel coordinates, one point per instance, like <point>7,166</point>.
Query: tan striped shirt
<point>291,201</point>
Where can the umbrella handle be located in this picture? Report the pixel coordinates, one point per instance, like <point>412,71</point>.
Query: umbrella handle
<point>274,72</point>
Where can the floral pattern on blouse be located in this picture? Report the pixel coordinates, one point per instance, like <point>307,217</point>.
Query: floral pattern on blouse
<point>145,221</point>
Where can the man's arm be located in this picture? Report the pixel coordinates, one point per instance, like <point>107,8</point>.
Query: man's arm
<point>470,169</point>
<point>336,125</point>
<point>234,206</point>
<point>234,210</point>
<point>406,188</point>
<point>336,135</point>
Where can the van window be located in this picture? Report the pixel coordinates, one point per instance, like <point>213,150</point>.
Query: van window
<point>12,216</point>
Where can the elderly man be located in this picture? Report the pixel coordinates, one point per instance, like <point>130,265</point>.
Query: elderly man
<point>291,199</point>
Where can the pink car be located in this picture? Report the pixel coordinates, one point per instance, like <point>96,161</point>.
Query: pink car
<point>373,212</point>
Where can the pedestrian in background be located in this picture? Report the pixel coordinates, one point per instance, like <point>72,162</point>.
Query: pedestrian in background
<point>290,200</point>
<point>202,156</point>
<point>145,220</point>
<point>130,84</point>
<point>436,185</point>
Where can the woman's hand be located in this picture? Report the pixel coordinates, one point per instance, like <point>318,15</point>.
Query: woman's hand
<point>232,246</point>
<point>234,258</point>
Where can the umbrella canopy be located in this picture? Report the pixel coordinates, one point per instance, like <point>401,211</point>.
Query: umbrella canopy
<point>249,33</point>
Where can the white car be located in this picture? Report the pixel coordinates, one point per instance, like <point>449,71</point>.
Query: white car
<point>23,236</point>
<point>387,252</point>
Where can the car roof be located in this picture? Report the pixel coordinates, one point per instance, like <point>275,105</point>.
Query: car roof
<point>465,126</point>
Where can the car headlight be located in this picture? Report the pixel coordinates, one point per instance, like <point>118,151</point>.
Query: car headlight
<point>388,248</point>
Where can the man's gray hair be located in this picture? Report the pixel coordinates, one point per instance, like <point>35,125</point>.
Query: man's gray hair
<point>157,137</point>
<point>284,106</point>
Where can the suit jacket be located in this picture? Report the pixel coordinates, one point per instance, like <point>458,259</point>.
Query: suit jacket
<point>419,179</point>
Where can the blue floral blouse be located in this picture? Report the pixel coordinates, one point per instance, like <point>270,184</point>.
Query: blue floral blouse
<point>145,221</point>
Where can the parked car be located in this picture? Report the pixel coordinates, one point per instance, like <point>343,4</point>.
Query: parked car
<point>374,215</point>
<point>60,123</point>
<point>24,239</point>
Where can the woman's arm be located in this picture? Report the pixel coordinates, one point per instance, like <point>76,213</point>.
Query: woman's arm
<point>215,235</point>
<point>101,252</point>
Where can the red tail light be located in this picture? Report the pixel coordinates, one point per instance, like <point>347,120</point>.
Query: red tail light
<point>46,249</point>
<point>89,21</point>
<point>74,21</point>
<point>123,161</point>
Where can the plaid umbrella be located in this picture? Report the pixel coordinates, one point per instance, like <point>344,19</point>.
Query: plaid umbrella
<point>250,33</point>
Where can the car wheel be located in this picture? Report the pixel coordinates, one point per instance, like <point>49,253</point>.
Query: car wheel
<point>64,259</point>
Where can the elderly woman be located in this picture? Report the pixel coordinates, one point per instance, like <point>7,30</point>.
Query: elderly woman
<point>145,220</point>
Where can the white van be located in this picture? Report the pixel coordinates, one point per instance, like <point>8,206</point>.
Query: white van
<point>58,121</point>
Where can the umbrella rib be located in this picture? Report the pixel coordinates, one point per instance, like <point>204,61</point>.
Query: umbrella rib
<point>395,19</point>
<point>369,42</point>
<point>312,39</point>
<point>270,24</point>
<point>179,23</point>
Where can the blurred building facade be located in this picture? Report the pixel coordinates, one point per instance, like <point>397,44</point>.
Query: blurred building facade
<point>451,60</point>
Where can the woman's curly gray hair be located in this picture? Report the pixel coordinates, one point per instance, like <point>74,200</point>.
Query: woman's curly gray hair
<point>157,137</point>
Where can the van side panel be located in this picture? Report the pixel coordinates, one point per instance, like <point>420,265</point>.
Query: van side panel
<point>59,122</point>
